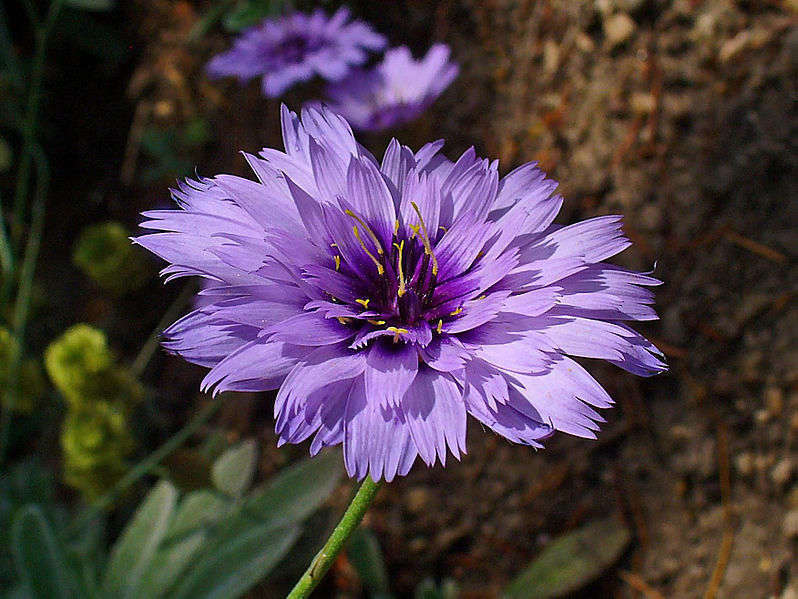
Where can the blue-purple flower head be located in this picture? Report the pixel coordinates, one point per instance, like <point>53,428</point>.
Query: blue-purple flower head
<point>388,300</point>
<point>396,91</point>
<point>297,47</point>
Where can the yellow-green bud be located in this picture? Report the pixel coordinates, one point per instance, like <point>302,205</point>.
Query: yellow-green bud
<point>105,254</point>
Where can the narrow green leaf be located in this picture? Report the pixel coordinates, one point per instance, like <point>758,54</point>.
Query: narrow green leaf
<point>133,552</point>
<point>197,509</point>
<point>170,562</point>
<point>571,561</point>
<point>296,492</point>
<point>229,570</point>
<point>232,472</point>
<point>38,557</point>
<point>365,555</point>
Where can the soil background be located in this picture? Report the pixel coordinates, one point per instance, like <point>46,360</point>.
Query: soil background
<point>680,115</point>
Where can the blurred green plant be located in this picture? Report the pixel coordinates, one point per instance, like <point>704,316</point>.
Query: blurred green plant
<point>572,561</point>
<point>105,254</point>
<point>238,15</point>
<point>21,91</point>
<point>100,394</point>
<point>95,441</point>
<point>567,564</point>
<point>365,555</point>
<point>165,149</point>
<point>84,370</point>
<point>31,385</point>
<point>217,542</point>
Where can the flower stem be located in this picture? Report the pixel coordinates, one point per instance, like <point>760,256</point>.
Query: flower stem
<point>325,558</point>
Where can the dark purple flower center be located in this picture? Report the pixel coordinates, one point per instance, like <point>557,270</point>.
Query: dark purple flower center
<point>295,48</point>
<point>402,278</point>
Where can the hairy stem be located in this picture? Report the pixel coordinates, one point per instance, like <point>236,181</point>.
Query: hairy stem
<point>325,558</point>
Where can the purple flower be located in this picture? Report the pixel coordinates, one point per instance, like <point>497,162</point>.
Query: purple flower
<point>388,300</point>
<point>296,47</point>
<point>398,90</point>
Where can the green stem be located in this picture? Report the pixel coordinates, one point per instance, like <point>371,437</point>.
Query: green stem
<point>325,558</point>
<point>31,116</point>
<point>151,345</point>
<point>22,304</point>
<point>6,255</point>
<point>145,466</point>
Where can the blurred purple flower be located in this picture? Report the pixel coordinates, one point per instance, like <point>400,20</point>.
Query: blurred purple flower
<point>294,48</point>
<point>396,91</point>
<point>388,300</point>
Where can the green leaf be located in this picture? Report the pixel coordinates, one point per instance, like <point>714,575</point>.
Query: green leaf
<point>229,570</point>
<point>288,498</point>
<point>91,4</point>
<point>249,13</point>
<point>172,560</point>
<point>232,472</point>
<point>296,492</point>
<point>39,559</point>
<point>571,561</point>
<point>196,510</point>
<point>365,555</point>
<point>133,552</point>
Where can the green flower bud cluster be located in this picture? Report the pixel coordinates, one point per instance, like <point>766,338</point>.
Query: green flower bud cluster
<point>30,383</point>
<point>100,394</point>
<point>105,254</point>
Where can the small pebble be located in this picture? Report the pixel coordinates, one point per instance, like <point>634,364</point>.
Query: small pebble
<point>790,526</point>
<point>782,472</point>
<point>618,29</point>
<point>744,463</point>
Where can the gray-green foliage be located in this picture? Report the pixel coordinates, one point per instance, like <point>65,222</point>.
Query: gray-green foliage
<point>572,561</point>
<point>208,543</point>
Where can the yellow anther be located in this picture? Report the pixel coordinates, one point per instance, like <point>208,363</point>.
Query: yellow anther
<point>415,229</point>
<point>363,302</point>
<point>368,230</point>
<point>425,239</point>
<point>483,296</point>
<point>380,268</point>
<point>456,312</point>
<point>343,320</point>
<point>396,226</point>
<point>444,229</point>
<point>337,259</point>
<point>439,328</point>
<point>377,323</point>
<point>333,245</point>
<point>402,289</point>
<point>396,332</point>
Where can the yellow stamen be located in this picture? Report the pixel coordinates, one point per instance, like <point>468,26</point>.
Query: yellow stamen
<point>456,312</point>
<point>337,259</point>
<point>396,332</point>
<point>483,296</point>
<point>396,226</point>
<point>376,322</point>
<point>425,239</point>
<point>343,320</point>
<point>380,268</point>
<point>444,229</point>
<point>415,229</point>
<point>363,302</point>
<point>402,289</point>
<point>333,245</point>
<point>439,328</point>
<point>368,231</point>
